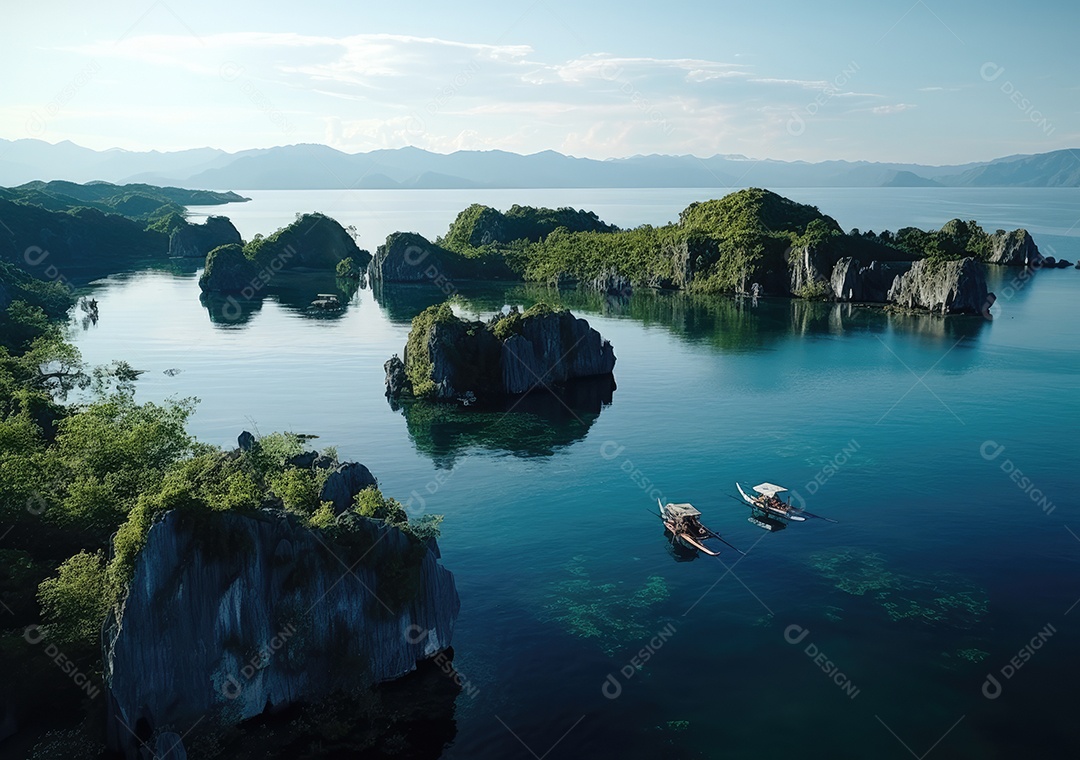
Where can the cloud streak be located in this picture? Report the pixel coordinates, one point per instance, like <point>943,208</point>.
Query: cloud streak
<point>366,91</point>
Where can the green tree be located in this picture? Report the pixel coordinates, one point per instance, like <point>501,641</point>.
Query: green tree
<point>74,603</point>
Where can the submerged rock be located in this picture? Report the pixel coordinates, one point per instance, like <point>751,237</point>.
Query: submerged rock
<point>948,287</point>
<point>197,240</point>
<point>230,615</point>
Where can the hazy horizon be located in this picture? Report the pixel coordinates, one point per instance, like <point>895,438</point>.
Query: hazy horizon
<point>897,82</point>
<point>729,156</point>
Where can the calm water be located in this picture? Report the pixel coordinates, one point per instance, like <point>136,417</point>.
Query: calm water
<point>940,570</point>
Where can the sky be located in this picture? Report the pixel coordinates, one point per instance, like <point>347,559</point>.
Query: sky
<point>938,82</point>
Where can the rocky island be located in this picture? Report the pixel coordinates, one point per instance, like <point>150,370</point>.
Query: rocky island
<point>312,242</point>
<point>749,242</point>
<point>234,613</point>
<point>449,358</point>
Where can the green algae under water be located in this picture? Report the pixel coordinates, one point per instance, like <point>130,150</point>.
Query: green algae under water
<point>939,599</point>
<point>613,614</point>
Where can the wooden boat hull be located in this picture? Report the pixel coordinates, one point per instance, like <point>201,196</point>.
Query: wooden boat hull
<point>690,541</point>
<point>769,511</point>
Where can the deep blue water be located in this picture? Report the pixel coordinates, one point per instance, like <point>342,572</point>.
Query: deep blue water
<point>941,568</point>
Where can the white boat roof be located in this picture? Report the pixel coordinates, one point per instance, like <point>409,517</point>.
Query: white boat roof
<point>682,510</point>
<point>769,489</point>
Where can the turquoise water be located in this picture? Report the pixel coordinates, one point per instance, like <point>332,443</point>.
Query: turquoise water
<point>940,570</point>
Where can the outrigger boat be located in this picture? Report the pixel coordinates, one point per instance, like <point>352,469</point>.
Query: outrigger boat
<point>769,511</point>
<point>682,521</point>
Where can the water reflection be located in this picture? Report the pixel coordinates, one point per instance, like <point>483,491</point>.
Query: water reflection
<point>536,424</point>
<point>413,718</point>
<point>303,293</point>
<point>739,324</point>
<point>401,302</point>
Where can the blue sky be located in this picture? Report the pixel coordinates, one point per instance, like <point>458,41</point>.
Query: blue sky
<point>931,82</point>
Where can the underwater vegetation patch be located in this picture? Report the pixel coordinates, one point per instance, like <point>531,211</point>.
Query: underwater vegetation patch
<point>615,615</point>
<point>941,599</point>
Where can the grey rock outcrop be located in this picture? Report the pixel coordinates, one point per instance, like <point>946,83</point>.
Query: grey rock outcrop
<point>1014,249</point>
<point>949,287</point>
<point>197,240</point>
<point>610,281</point>
<point>808,268</point>
<point>344,483</point>
<point>226,619</point>
<point>304,460</point>
<point>552,349</point>
<point>846,281</point>
<point>510,355</point>
<point>850,281</point>
<point>246,441</point>
<point>406,257</point>
<point>397,382</point>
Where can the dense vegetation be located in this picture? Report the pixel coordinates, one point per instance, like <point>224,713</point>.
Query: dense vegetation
<point>59,228</point>
<point>81,485</point>
<point>717,246</point>
<point>312,241</point>
<point>480,225</point>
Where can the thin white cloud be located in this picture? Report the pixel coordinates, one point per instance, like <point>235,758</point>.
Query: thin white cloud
<point>359,92</point>
<point>891,109</point>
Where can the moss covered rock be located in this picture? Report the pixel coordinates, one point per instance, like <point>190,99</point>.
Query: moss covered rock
<point>447,357</point>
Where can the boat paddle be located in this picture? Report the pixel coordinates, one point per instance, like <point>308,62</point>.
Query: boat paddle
<point>818,517</point>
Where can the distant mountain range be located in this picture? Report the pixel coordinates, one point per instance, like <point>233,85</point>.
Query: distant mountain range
<point>308,166</point>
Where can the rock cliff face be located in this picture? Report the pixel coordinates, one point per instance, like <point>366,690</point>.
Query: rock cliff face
<point>1015,249</point>
<point>447,357</point>
<point>408,257</point>
<point>197,240</point>
<point>552,349</point>
<point>950,287</point>
<point>229,618</point>
<point>808,268</point>
<point>850,281</point>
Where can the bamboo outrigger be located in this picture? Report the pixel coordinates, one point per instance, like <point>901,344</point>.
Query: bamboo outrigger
<point>769,511</point>
<point>682,521</point>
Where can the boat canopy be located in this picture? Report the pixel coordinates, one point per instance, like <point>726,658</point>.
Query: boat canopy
<point>769,489</point>
<point>682,510</point>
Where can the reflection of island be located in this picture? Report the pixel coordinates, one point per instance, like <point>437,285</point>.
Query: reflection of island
<point>294,291</point>
<point>413,717</point>
<point>730,323</point>
<point>536,424</point>
<point>403,301</point>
